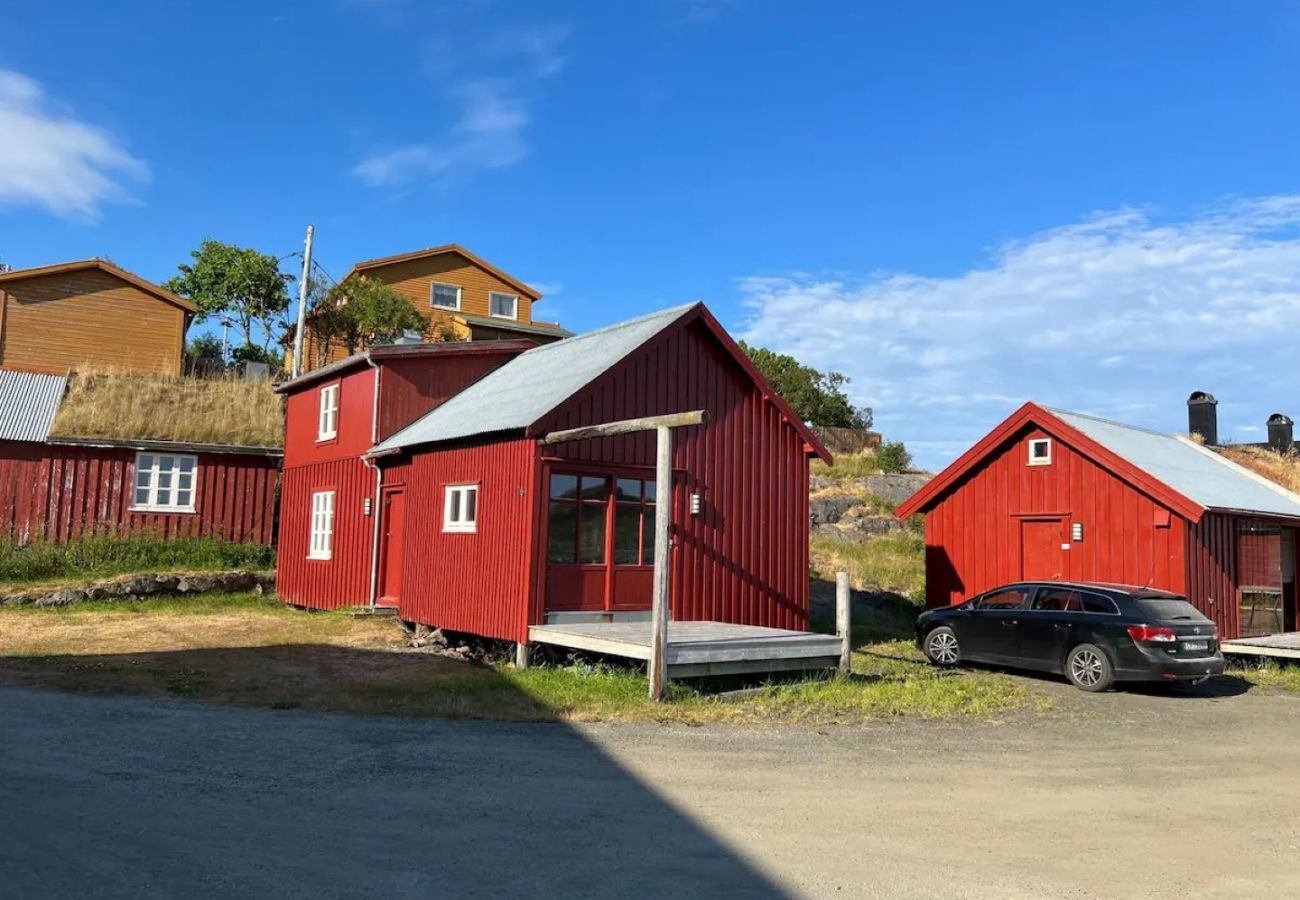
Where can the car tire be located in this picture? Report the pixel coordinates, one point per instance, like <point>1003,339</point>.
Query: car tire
<point>1089,669</point>
<point>941,647</point>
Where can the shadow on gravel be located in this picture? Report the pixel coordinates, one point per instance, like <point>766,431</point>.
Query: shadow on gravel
<point>139,796</point>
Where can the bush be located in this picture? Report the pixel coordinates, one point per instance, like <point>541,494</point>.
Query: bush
<point>103,557</point>
<point>892,457</point>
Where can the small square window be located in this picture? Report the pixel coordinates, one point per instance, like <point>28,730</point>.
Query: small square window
<point>327,424</point>
<point>460,508</point>
<point>1040,452</point>
<point>503,306</point>
<point>445,296</point>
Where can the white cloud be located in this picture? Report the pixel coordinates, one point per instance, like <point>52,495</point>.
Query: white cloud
<point>490,131</point>
<point>53,160</point>
<point>1120,315</point>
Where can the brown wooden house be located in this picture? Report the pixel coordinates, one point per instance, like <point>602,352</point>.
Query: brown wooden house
<point>463,297</point>
<point>90,314</point>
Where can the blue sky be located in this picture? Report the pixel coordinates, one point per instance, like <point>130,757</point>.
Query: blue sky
<point>960,205</point>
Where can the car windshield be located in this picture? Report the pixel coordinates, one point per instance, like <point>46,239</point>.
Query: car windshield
<point>1168,609</point>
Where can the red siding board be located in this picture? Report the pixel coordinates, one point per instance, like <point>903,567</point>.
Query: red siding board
<point>344,578</point>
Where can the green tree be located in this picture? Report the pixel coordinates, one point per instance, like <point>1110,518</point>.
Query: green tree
<point>358,313</point>
<point>205,346</point>
<point>236,282</point>
<point>818,398</point>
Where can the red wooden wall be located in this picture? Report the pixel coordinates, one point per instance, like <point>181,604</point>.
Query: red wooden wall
<point>61,493</point>
<point>972,533</point>
<point>411,386</point>
<point>476,582</point>
<point>744,559</point>
<point>1212,571</point>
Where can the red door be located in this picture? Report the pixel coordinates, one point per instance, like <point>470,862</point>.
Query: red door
<point>393,504</point>
<point>1042,553</point>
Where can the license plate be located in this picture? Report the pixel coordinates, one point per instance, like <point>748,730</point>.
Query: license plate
<point>1196,645</point>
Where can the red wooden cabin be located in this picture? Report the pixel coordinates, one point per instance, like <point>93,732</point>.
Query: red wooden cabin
<point>1062,496</point>
<point>476,526</point>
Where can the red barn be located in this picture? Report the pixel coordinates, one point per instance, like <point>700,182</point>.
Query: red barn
<point>464,519</point>
<point>1053,495</point>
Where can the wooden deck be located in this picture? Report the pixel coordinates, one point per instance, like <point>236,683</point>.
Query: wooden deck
<point>699,648</point>
<point>1285,646</point>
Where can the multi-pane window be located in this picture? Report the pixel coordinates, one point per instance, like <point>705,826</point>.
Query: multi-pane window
<point>445,296</point>
<point>322,525</point>
<point>327,423</point>
<point>634,522</point>
<point>164,482</point>
<point>581,509</point>
<point>503,306</point>
<point>460,508</point>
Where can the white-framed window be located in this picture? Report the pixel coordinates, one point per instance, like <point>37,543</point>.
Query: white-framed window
<point>327,422</point>
<point>1040,452</point>
<point>503,306</point>
<point>164,482</point>
<point>322,525</point>
<point>444,296</point>
<point>460,508</point>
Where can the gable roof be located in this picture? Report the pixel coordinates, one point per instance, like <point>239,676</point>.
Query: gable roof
<point>1181,474</point>
<point>28,402</point>
<point>102,265</point>
<point>554,331</point>
<point>366,265</point>
<point>524,390</point>
<point>392,351</point>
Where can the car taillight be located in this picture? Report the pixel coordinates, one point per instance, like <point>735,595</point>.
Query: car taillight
<point>1151,633</point>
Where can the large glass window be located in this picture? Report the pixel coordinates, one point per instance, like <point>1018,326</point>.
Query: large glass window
<point>164,482</point>
<point>584,508</point>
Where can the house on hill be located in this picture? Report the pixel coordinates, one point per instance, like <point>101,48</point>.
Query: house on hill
<point>457,512</point>
<point>462,296</point>
<point>85,454</point>
<point>1055,495</point>
<point>93,314</point>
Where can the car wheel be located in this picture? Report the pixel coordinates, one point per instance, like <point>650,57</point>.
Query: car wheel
<point>941,647</point>
<point>1089,669</point>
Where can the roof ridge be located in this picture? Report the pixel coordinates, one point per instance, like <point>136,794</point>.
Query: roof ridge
<point>1105,421</point>
<point>670,313</point>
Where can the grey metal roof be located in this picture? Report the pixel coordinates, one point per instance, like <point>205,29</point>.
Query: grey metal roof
<point>28,402</point>
<point>1200,475</point>
<point>532,384</point>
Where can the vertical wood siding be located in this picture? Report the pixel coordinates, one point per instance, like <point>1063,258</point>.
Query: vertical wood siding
<point>973,532</point>
<point>744,559</point>
<point>477,582</point>
<point>1212,571</point>
<point>58,493</point>
<point>344,579</point>
<point>413,386</point>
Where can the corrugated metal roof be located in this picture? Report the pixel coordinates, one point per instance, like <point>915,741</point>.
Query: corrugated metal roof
<point>532,384</point>
<point>28,402</point>
<point>1200,475</point>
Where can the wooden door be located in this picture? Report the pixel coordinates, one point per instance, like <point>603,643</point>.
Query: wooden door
<point>393,512</point>
<point>1042,553</point>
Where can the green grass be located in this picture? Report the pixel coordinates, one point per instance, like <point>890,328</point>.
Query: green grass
<point>1268,673</point>
<point>168,606</point>
<point>856,465</point>
<point>104,557</point>
<point>891,562</point>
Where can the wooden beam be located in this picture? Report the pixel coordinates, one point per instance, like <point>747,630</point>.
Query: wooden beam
<point>657,668</point>
<point>843,597</point>
<point>628,426</point>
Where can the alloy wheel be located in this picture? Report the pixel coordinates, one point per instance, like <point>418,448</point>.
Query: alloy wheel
<point>943,648</point>
<point>1086,667</point>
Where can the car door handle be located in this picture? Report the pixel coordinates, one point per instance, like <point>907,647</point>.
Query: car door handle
<point>1010,621</point>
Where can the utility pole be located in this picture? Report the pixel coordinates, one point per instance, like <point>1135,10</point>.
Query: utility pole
<point>302,303</point>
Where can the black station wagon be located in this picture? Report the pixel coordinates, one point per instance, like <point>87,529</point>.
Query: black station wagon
<point>1094,634</point>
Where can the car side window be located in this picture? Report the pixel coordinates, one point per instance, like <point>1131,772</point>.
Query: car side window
<point>1012,598</point>
<point>1096,603</point>
<point>1058,600</point>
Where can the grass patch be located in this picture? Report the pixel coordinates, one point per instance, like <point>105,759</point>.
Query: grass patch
<point>121,405</point>
<point>1268,673</point>
<point>1280,468</point>
<point>104,557</point>
<point>890,562</point>
<point>252,650</point>
<point>888,459</point>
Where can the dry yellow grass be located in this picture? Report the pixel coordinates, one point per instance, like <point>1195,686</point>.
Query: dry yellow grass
<point>1280,468</point>
<point>124,406</point>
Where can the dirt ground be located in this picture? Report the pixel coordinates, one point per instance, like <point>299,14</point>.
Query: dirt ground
<point>1130,794</point>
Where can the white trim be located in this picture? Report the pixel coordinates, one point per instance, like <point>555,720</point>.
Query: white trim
<point>320,541</point>
<point>457,494</point>
<point>327,413</point>
<point>514,316</point>
<point>437,284</point>
<point>1040,460</point>
<point>178,482</point>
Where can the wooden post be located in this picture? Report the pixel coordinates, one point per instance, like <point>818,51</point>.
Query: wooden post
<point>843,597</point>
<point>657,668</point>
<point>521,655</point>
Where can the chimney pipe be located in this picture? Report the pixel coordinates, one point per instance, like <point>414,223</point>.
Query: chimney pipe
<point>1279,432</point>
<point>1203,417</point>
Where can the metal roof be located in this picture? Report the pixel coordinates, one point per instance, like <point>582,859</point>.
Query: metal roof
<point>532,384</point>
<point>511,325</point>
<point>1199,474</point>
<point>28,402</point>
